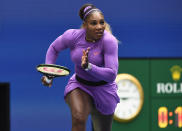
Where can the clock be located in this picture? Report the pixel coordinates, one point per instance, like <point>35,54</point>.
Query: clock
<point>131,97</point>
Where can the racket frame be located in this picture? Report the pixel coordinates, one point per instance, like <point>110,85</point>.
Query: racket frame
<point>50,75</point>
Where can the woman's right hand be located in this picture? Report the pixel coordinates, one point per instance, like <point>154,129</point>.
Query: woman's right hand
<point>46,81</point>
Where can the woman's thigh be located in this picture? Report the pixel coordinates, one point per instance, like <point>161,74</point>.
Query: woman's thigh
<point>80,103</point>
<point>101,122</point>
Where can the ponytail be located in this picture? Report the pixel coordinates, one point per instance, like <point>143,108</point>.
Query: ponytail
<point>108,28</point>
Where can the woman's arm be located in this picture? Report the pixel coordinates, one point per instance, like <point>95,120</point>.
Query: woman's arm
<point>109,71</point>
<point>62,42</point>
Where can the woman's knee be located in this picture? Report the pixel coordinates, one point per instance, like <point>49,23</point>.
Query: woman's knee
<point>79,117</point>
<point>80,105</point>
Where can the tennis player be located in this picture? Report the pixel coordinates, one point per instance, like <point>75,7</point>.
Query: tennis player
<point>91,89</point>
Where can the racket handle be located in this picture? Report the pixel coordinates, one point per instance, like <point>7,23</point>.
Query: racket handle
<point>48,80</point>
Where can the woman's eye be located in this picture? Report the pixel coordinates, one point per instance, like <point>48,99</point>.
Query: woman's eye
<point>102,22</point>
<point>93,23</point>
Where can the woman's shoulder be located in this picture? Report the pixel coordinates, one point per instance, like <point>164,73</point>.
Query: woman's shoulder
<point>74,32</point>
<point>71,36</point>
<point>109,38</point>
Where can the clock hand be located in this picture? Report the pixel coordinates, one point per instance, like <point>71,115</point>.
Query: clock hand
<point>124,98</point>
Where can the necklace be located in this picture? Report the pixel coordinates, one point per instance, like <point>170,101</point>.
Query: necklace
<point>90,40</point>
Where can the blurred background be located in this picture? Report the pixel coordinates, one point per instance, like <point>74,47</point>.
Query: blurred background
<point>147,29</point>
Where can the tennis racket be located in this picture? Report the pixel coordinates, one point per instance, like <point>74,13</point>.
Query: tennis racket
<point>51,71</point>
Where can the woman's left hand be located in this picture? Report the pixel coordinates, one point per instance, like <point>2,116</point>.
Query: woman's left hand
<point>84,63</point>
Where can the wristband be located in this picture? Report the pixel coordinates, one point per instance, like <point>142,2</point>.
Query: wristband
<point>89,67</point>
<point>48,80</point>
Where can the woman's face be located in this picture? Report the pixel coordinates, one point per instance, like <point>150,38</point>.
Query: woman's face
<point>95,26</point>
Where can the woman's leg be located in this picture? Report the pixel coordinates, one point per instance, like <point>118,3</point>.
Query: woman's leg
<point>101,122</point>
<point>80,104</point>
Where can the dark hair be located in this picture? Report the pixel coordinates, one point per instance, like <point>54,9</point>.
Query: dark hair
<point>82,13</point>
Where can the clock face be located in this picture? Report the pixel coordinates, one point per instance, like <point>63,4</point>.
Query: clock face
<point>131,98</point>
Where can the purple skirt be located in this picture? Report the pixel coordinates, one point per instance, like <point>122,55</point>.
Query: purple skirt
<point>105,97</point>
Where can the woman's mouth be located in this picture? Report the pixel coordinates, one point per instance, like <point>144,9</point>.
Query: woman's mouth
<point>99,33</point>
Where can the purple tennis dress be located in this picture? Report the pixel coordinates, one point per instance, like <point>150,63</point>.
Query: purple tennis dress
<point>103,57</point>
